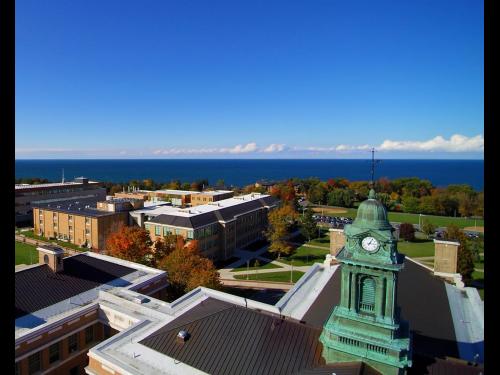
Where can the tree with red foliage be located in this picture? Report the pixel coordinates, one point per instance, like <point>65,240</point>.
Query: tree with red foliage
<point>130,243</point>
<point>187,269</point>
<point>407,231</point>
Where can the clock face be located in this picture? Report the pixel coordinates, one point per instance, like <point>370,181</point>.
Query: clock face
<point>369,244</point>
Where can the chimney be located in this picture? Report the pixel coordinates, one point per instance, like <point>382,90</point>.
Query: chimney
<point>51,256</point>
<point>337,241</point>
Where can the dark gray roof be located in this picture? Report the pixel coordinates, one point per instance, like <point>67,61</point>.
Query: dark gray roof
<point>423,301</point>
<point>76,207</point>
<point>195,221</point>
<point>224,213</point>
<point>229,339</point>
<point>40,287</point>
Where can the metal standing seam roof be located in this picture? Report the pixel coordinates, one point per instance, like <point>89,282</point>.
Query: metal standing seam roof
<point>229,339</point>
<point>40,287</point>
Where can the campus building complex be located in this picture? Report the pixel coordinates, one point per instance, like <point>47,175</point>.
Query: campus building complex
<point>80,188</point>
<point>83,222</point>
<point>220,227</point>
<point>180,198</point>
<point>374,313</point>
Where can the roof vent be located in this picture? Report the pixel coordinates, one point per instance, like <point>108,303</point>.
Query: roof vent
<point>183,335</point>
<point>140,299</point>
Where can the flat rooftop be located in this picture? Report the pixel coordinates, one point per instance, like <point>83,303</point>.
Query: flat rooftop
<point>204,208</point>
<point>51,185</point>
<point>176,192</point>
<point>215,192</point>
<point>84,207</point>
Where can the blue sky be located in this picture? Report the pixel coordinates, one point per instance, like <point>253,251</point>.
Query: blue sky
<point>249,79</point>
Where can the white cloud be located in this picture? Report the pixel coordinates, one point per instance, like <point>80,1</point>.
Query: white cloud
<point>456,143</point>
<point>274,148</point>
<point>239,149</point>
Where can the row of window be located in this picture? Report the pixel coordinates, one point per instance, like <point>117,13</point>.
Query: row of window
<point>35,360</point>
<point>54,217</point>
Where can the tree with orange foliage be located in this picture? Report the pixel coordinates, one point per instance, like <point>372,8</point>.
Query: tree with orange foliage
<point>187,269</point>
<point>130,243</point>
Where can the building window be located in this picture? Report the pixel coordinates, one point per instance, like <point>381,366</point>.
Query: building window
<point>46,259</point>
<point>87,221</point>
<point>89,334</point>
<point>367,298</point>
<point>190,234</point>
<point>70,217</point>
<point>54,352</point>
<point>147,227</point>
<point>34,363</point>
<point>73,343</point>
<point>157,230</point>
<point>177,231</point>
<point>166,231</point>
<point>87,231</point>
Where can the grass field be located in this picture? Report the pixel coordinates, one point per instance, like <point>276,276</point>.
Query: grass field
<point>399,217</point>
<point>272,276</point>
<point>303,256</point>
<point>417,249</point>
<point>26,254</point>
<point>263,266</point>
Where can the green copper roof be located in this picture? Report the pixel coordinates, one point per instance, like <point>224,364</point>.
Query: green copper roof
<point>372,214</point>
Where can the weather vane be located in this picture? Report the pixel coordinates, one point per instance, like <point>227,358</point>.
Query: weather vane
<point>373,167</point>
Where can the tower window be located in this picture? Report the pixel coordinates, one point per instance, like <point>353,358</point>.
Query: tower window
<point>367,298</point>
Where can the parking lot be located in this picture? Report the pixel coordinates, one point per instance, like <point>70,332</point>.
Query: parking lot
<point>333,221</point>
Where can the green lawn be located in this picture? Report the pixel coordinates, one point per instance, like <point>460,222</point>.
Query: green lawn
<point>323,241</point>
<point>26,254</point>
<point>272,276</point>
<point>416,249</point>
<point>60,243</point>
<point>263,266</point>
<point>303,256</point>
<point>399,217</point>
<point>480,264</point>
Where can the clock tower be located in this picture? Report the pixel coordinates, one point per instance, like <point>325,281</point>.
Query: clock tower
<point>366,324</point>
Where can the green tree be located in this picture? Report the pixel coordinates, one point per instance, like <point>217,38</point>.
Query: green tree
<point>465,261</point>
<point>308,226</point>
<point>281,220</point>
<point>316,194</point>
<point>428,228</point>
<point>410,204</point>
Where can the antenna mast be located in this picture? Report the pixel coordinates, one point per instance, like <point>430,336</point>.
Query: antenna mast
<point>373,167</point>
